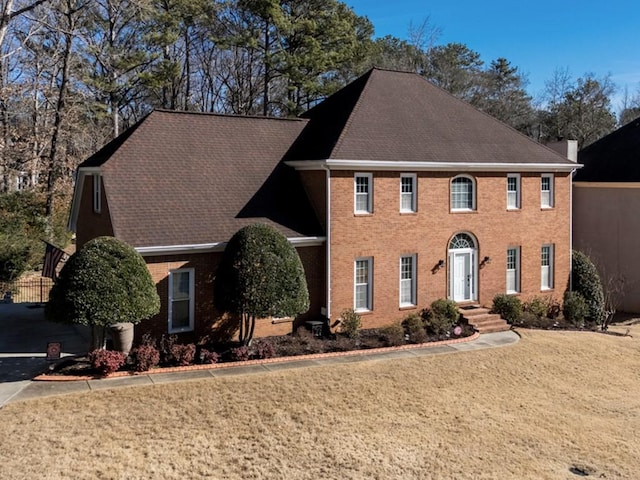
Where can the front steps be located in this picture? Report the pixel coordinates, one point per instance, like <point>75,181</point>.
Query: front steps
<point>483,321</point>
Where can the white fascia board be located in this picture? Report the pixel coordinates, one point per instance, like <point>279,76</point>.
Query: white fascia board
<point>431,166</point>
<point>606,184</point>
<point>77,195</point>
<point>216,247</point>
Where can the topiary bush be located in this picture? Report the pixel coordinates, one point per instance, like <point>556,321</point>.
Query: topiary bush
<point>106,361</point>
<point>145,357</point>
<point>350,323</point>
<point>507,306</point>
<point>586,281</point>
<point>446,308</point>
<point>103,283</point>
<point>260,275</point>
<point>575,309</point>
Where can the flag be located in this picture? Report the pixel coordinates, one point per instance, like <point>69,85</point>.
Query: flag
<point>52,256</point>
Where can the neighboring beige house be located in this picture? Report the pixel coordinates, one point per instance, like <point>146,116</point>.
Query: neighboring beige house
<point>606,208</point>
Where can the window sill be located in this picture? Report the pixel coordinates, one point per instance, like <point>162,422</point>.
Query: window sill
<point>548,289</point>
<point>463,211</point>
<point>513,209</point>
<point>407,307</point>
<point>363,214</point>
<point>546,208</point>
<point>180,330</point>
<point>408,212</point>
<point>363,312</point>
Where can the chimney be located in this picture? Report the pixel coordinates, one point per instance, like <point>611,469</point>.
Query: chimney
<point>566,148</point>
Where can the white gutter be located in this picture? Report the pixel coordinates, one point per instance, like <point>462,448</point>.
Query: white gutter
<point>328,232</point>
<point>430,166</point>
<point>216,247</point>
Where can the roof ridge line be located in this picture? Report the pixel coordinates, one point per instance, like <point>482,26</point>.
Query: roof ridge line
<point>347,124</point>
<point>226,115</point>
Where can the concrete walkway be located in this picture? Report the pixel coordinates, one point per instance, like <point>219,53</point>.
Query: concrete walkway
<point>24,335</point>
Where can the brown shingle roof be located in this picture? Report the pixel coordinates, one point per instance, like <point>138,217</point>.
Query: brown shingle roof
<point>186,179</point>
<point>389,115</point>
<point>614,158</point>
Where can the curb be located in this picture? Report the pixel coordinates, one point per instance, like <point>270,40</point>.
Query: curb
<point>266,361</point>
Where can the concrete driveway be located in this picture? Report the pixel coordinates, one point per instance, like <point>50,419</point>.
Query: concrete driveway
<point>24,334</point>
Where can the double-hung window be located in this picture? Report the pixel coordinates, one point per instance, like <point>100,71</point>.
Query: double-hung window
<point>546,267</point>
<point>408,281</point>
<point>513,191</point>
<point>363,287</point>
<point>546,190</point>
<point>97,193</point>
<point>463,193</point>
<point>513,270</point>
<point>363,192</point>
<point>181,300</point>
<point>408,193</point>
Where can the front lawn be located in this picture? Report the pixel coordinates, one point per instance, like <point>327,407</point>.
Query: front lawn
<point>554,402</point>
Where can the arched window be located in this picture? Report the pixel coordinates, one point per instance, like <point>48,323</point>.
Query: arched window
<point>462,240</point>
<point>463,193</point>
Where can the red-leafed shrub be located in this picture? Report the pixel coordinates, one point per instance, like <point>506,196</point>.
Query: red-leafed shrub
<point>106,361</point>
<point>264,349</point>
<point>145,357</point>
<point>240,354</point>
<point>208,357</point>
<point>183,355</point>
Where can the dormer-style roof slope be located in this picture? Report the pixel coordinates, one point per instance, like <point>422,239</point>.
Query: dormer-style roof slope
<point>391,116</point>
<point>613,158</point>
<point>191,179</point>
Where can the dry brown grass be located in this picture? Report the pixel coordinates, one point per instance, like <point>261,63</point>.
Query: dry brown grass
<point>532,410</point>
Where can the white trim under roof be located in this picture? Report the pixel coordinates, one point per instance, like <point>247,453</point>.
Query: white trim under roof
<point>217,247</point>
<point>431,166</point>
<point>606,184</point>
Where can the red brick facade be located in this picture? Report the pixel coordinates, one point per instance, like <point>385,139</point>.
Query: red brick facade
<point>386,234</point>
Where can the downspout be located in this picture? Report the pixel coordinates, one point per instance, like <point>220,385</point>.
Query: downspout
<point>571,229</point>
<point>328,236</point>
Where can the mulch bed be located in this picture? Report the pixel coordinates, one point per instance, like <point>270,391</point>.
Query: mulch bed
<point>287,347</point>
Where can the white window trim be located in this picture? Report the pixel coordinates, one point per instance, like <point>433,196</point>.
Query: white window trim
<point>369,306</point>
<point>551,178</point>
<point>190,328</point>
<point>551,267</point>
<point>518,195</point>
<point>369,177</point>
<point>474,194</point>
<point>97,193</point>
<point>516,270</point>
<point>414,269</point>
<point>414,193</point>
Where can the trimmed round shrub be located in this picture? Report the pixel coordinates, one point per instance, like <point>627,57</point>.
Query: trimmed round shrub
<point>260,275</point>
<point>446,308</point>
<point>575,308</point>
<point>103,283</point>
<point>507,306</point>
<point>264,349</point>
<point>183,355</point>
<point>586,281</point>
<point>240,354</point>
<point>208,356</point>
<point>441,316</point>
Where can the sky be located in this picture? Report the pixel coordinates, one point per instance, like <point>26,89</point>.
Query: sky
<point>588,36</point>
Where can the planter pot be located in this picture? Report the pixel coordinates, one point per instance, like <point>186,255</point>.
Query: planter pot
<point>122,336</point>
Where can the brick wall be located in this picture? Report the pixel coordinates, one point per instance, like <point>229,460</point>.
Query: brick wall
<point>207,320</point>
<point>386,234</point>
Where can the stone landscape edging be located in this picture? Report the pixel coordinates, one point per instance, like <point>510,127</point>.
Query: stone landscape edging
<point>216,366</point>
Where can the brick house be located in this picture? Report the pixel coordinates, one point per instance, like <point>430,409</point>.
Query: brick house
<point>394,193</point>
<point>605,209</point>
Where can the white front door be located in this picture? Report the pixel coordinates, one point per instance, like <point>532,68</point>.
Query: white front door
<point>462,276</point>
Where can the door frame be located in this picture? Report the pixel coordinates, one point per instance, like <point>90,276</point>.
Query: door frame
<point>473,265</point>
